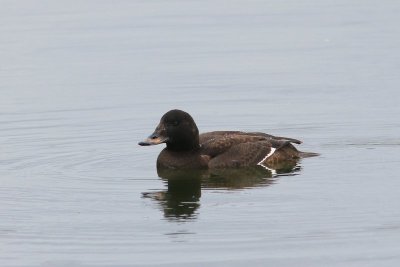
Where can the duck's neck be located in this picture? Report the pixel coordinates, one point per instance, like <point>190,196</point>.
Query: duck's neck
<point>186,144</point>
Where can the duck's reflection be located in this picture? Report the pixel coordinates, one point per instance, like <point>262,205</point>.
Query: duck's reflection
<point>181,200</point>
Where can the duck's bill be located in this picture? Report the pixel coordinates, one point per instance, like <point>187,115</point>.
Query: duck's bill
<point>153,140</point>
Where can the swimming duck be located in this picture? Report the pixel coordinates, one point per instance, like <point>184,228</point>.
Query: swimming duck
<point>187,149</point>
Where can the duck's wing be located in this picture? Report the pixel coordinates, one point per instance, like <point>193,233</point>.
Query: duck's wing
<point>204,137</point>
<point>273,137</point>
<point>216,143</point>
<point>234,149</point>
<point>243,155</point>
<point>238,149</point>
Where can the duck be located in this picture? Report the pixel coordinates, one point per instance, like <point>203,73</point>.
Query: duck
<point>187,149</point>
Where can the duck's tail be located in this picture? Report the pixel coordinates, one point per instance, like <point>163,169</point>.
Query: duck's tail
<point>308,154</point>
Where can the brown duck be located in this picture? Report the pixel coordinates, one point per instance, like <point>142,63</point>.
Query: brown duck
<point>220,149</point>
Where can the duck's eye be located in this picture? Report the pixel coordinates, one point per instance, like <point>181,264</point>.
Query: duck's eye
<point>174,123</point>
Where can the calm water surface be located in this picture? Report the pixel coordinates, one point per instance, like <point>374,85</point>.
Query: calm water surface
<point>82,84</point>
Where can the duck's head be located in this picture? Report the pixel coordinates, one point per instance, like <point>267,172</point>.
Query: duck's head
<point>177,129</point>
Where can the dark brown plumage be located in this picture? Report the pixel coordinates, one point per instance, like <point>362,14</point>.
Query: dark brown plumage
<point>219,149</point>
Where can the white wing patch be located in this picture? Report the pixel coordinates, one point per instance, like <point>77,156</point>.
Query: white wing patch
<point>273,171</point>
<point>267,156</point>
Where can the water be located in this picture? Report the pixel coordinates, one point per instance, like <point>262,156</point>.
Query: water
<point>81,84</point>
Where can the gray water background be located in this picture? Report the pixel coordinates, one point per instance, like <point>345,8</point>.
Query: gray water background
<point>82,82</point>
